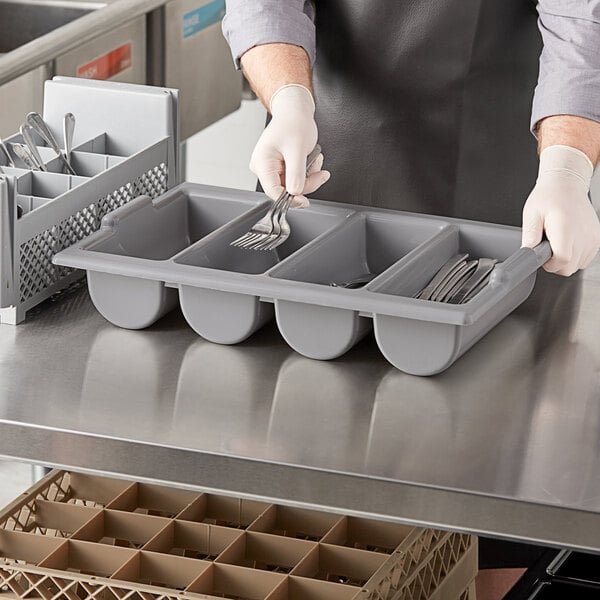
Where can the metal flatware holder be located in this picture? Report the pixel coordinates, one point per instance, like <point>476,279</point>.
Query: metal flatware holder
<point>154,254</point>
<point>124,146</point>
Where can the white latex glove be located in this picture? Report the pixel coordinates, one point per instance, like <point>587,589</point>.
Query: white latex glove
<point>559,205</point>
<point>279,158</point>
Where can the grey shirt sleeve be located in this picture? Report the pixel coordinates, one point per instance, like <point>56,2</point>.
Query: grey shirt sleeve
<point>249,23</point>
<point>569,78</point>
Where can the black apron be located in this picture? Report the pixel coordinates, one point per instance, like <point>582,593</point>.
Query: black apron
<point>424,105</point>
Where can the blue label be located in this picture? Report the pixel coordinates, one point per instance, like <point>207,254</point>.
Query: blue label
<point>203,17</point>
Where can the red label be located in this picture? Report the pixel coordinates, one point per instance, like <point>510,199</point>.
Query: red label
<point>108,65</point>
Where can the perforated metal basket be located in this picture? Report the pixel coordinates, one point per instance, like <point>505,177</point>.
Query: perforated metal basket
<point>125,145</point>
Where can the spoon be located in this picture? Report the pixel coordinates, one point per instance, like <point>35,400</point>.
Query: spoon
<point>31,145</point>
<point>11,162</point>
<point>68,131</point>
<point>35,121</point>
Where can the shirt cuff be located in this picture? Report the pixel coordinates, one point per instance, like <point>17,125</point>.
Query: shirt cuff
<point>274,21</point>
<point>571,92</point>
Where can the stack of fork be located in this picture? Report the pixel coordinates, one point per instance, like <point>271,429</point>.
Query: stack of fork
<point>273,229</point>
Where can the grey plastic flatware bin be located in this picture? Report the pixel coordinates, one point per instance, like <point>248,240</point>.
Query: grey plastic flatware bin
<point>151,254</point>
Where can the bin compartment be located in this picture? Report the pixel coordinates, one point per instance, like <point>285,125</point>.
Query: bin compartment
<point>160,570</point>
<point>423,347</point>
<point>298,523</point>
<point>223,511</point>
<point>365,247</point>
<point>337,564</point>
<point>157,230</point>
<point>229,318</point>
<point>87,558</point>
<point>168,226</point>
<point>478,240</point>
<point>116,528</point>
<point>56,519</point>
<point>266,552</point>
<point>217,253</point>
<point>366,534</point>
<point>155,500</point>
<point>193,540</point>
<point>300,588</point>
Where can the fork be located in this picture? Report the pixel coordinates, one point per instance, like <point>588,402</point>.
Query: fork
<point>262,228</point>
<point>276,239</point>
<point>273,229</point>
<point>282,230</point>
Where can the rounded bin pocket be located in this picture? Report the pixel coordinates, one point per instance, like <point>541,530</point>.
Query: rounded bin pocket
<point>130,302</point>
<point>319,332</point>
<point>223,317</point>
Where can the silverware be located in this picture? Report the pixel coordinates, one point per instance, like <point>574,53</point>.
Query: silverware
<point>355,283</point>
<point>264,227</point>
<point>454,281</point>
<point>273,229</point>
<point>439,279</point>
<point>22,153</point>
<point>483,284</point>
<point>276,239</point>
<point>68,131</point>
<point>32,147</point>
<point>458,282</point>
<point>35,121</point>
<point>485,266</point>
<point>11,162</point>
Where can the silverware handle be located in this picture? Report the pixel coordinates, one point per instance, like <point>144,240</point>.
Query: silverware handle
<point>310,159</point>
<point>67,164</point>
<point>286,199</point>
<point>5,150</point>
<point>31,145</point>
<point>39,125</point>
<point>69,130</point>
<point>23,153</point>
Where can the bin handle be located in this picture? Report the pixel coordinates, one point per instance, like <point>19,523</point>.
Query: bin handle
<point>543,251</point>
<point>520,265</point>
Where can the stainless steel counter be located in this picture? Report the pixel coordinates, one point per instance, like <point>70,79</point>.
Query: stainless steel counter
<point>506,442</point>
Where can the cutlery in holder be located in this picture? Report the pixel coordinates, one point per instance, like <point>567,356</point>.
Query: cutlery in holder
<point>117,156</point>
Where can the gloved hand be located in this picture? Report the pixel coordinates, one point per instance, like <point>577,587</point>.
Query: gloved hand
<point>559,205</point>
<point>279,157</point>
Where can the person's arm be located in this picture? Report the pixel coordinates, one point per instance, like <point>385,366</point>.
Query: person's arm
<point>566,119</point>
<point>249,23</point>
<point>281,76</point>
<point>271,66</point>
<point>570,130</point>
<point>274,43</point>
